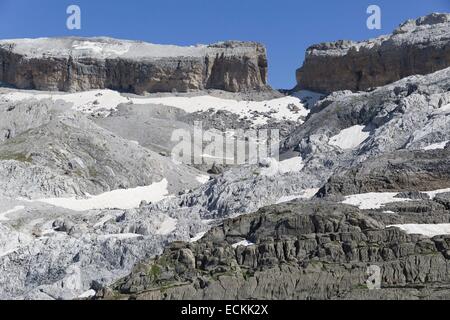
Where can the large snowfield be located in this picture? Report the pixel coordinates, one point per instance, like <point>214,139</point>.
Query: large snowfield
<point>104,101</point>
<point>116,199</point>
<point>378,200</point>
<point>428,230</point>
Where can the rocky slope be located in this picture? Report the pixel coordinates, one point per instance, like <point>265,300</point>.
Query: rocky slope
<point>410,116</point>
<point>375,162</point>
<point>419,46</point>
<point>390,142</point>
<point>52,151</point>
<point>300,250</point>
<point>76,251</point>
<point>79,171</point>
<point>382,152</point>
<point>78,64</point>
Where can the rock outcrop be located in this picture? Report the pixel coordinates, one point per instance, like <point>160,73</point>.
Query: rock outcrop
<point>78,64</point>
<point>405,126</point>
<point>313,250</point>
<point>417,170</point>
<point>241,237</point>
<point>322,249</point>
<point>419,46</point>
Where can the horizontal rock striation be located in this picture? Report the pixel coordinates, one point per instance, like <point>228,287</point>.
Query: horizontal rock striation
<point>419,46</point>
<point>416,170</point>
<point>80,64</point>
<point>313,250</point>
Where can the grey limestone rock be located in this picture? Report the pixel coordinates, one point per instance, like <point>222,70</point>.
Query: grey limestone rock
<point>419,46</point>
<point>312,250</point>
<point>79,64</point>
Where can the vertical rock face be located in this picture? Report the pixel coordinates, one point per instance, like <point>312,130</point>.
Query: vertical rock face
<point>77,64</point>
<point>236,66</point>
<point>419,46</point>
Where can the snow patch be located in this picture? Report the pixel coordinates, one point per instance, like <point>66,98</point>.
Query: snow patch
<point>376,200</point>
<point>274,167</point>
<point>285,108</point>
<point>308,98</point>
<point>197,237</point>
<point>87,294</point>
<point>428,230</point>
<point>202,179</point>
<point>350,138</point>
<point>167,226</point>
<point>436,146</point>
<point>304,194</point>
<point>103,49</point>
<point>13,210</point>
<point>444,109</point>
<point>100,101</point>
<point>119,236</point>
<point>434,193</point>
<point>134,142</point>
<point>372,200</point>
<point>103,220</point>
<point>243,243</point>
<point>117,199</point>
<point>293,108</point>
<point>11,240</point>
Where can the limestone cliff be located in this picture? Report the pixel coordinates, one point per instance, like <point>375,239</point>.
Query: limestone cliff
<point>79,64</point>
<point>419,46</point>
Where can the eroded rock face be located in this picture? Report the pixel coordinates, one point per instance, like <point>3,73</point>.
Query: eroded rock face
<point>79,64</point>
<point>48,150</point>
<point>313,250</point>
<point>419,46</point>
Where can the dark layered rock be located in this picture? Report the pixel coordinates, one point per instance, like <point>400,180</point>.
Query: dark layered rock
<point>419,46</point>
<point>313,250</point>
<point>412,212</point>
<point>79,64</point>
<point>393,172</point>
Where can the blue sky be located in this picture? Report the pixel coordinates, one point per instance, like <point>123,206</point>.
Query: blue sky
<point>286,27</point>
